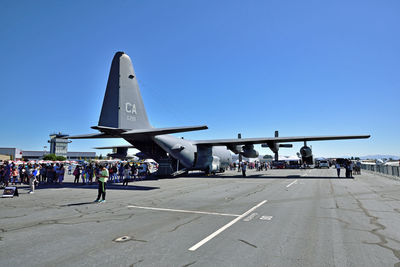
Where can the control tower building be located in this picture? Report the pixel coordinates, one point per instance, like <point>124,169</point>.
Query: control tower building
<point>59,145</point>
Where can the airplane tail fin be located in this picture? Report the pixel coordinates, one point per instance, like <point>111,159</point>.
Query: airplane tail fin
<point>123,106</point>
<point>123,114</point>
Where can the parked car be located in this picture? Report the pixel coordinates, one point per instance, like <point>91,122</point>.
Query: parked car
<point>323,164</point>
<point>280,164</point>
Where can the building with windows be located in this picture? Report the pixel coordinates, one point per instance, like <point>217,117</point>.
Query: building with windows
<point>19,154</point>
<point>11,152</point>
<point>59,144</point>
<point>35,155</point>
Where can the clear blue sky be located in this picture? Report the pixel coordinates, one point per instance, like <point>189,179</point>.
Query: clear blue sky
<point>300,67</point>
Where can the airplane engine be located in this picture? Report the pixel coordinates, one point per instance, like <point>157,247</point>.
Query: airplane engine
<point>306,154</point>
<point>249,151</point>
<point>236,149</point>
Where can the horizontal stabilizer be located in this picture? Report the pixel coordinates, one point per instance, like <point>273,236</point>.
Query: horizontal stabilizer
<point>110,130</point>
<point>161,131</point>
<point>90,136</point>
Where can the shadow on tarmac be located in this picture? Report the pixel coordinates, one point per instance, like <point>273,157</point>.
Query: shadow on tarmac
<point>78,204</point>
<point>93,186</point>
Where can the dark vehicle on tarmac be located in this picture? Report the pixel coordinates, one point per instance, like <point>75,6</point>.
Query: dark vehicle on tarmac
<point>280,164</point>
<point>293,165</point>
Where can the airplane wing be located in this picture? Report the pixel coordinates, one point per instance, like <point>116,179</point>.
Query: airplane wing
<point>111,147</point>
<point>253,141</point>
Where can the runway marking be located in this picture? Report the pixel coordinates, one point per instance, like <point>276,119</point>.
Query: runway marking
<point>250,217</point>
<point>226,226</point>
<point>266,218</point>
<point>295,181</point>
<point>185,211</point>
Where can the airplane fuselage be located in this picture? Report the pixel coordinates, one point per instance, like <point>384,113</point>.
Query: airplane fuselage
<point>189,155</point>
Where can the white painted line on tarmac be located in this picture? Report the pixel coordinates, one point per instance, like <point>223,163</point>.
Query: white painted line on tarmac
<point>226,226</point>
<point>266,218</point>
<point>185,211</point>
<point>292,183</point>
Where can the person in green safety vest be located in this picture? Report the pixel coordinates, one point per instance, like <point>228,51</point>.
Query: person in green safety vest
<point>103,178</point>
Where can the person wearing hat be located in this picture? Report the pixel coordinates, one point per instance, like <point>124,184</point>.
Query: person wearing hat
<point>102,185</point>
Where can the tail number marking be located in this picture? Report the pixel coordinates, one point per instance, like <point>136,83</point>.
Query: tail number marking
<point>131,118</point>
<point>130,109</point>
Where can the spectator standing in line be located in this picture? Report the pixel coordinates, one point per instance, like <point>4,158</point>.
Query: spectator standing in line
<point>22,174</point>
<point>346,167</point>
<point>145,170</point>
<point>121,169</point>
<point>244,167</point>
<point>50,174</point>
<point>57,173</point>
<point>31,176</point>
<point>43,173</point>
<point>1,174</point>
<point>110,171</point>
<point>104,175</point>
<point>83,174</point>
<point>358,164</point>
<point>36,170</point>
<point>89,174</point>
<point>133,171</point>
<point>7,173</point>
<point>15,174</point>
<point>96,171</point>
<point>351,169</point>
<point>61,173</point>
<point>76,173</point>
<point>126,175</point>
<point>115,174</point>
<point>337,166</point>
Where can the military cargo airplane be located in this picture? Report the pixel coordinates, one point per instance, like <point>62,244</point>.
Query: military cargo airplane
<point>123,115</point>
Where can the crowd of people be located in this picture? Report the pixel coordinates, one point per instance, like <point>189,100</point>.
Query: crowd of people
<point>118,172</point>
<point>53,173</point>
<point>242,166</point>
<point>32,174</point>
<point>257,165</point>
<point>349,167</point>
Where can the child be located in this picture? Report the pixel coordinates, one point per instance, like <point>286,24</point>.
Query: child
<point>15,174</point>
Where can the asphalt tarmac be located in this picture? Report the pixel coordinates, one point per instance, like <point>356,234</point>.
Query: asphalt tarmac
<point>270,218</point>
